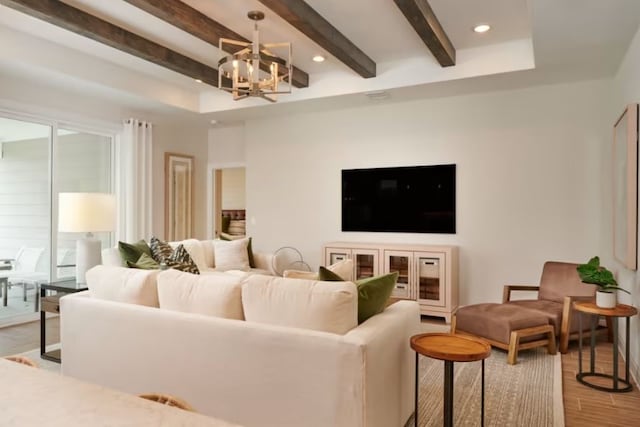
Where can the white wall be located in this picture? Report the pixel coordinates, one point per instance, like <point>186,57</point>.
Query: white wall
<point>625,90</point>
<point>528,176</point>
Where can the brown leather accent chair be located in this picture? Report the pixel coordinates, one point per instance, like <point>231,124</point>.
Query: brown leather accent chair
<point>560,286</point>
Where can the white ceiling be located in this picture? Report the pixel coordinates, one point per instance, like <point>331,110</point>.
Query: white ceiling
<point>540,41</point>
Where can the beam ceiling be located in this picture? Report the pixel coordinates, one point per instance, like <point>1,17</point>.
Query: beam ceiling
<point>426,24</point>
<point>303,17</point>
<point>201,26</point>
<point>62,15</point>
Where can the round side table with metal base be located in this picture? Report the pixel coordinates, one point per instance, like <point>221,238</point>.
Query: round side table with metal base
<point>450,348</point>
<point>620,310</point>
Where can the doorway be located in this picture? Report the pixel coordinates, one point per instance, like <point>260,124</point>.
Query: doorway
<point>229,202</point>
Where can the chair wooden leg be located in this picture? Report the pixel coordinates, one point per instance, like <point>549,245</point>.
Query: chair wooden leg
<point>514,343</point>
<point>551,347</point>
<point>453,324</point>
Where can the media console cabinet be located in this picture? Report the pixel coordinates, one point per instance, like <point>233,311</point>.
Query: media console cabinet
<point>427,274</point>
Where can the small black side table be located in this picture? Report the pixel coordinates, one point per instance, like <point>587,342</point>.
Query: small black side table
<point>620,310</point>
<point>51,304</point>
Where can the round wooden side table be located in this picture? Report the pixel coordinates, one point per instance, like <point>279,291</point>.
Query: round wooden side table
<point>450,348</point>
<point>620,310</point>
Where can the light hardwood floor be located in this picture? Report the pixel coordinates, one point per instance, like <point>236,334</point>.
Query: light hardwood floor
<point>584,406</point>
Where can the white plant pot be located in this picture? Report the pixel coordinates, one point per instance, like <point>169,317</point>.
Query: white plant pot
<point>606,299</point>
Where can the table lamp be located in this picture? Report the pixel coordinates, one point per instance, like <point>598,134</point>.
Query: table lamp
<point>86,213</point>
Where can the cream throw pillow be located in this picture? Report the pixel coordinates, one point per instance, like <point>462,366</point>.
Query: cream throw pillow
<point>343,268</point>
<point>231,255</point>
<point>212,294</point>
<point>307,304</point>
<point>122,284</point>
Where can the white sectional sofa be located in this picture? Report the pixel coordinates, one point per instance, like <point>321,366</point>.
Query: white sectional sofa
<point>279,367</point>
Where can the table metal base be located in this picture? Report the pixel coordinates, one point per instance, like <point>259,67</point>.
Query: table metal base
<point>620,385</point>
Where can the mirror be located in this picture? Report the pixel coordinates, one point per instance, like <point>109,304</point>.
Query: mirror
<point>625,187</point>
<point>178,196</point>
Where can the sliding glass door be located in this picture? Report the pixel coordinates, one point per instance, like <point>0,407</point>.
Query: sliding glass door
<point>38,161</point>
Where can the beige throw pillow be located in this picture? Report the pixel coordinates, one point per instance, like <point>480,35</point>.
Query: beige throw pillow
<point>231,255</point>
<point>342,268</point>
<point>211,294</point>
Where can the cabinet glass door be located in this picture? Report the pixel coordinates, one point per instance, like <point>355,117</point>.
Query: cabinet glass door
<point>365,263</point>
<point>430,277</point>
<point>397,261</point>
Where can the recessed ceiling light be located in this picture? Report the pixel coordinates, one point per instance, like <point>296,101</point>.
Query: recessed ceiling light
<point>318,58</point>
<point>482,28</point>
<point>199,80</point>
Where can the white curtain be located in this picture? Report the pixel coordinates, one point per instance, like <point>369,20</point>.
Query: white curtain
<point>136,212</point>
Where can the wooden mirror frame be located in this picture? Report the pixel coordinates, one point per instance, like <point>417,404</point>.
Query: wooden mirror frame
<point>178,196</point>
<point>625,187</point>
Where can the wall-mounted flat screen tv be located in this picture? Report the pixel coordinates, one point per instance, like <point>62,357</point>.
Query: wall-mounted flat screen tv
<point>415,199</point>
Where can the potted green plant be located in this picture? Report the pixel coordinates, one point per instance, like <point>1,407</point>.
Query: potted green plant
<point>592,272</point>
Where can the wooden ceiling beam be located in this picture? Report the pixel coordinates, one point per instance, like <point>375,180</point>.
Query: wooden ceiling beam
<point>303,17</point>
<point>426,24</point>
<point>62,15</point>
<point>199,25</point>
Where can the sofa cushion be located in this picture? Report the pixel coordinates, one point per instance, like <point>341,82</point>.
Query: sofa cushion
<point>231,255</point>
<point>373,292</point>
<point>123,284</point>
<point>213,294</point>
<point>132,251</point>
<point>307,304</point>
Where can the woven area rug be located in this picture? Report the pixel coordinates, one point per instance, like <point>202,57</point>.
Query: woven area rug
<point>526,394</point>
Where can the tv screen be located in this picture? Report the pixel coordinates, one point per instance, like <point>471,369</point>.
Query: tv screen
<point>416,199</point>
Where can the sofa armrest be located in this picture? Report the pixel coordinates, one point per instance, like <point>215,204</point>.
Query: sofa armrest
<point>506,293</point>
<point>389,362</point>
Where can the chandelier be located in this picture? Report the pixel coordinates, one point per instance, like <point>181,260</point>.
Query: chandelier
<point>255,69</point>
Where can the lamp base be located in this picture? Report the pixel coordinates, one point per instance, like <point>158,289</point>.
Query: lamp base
<point>88,255</point>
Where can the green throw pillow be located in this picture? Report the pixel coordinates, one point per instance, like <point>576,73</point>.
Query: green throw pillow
<point>145,262</point>
<point>131,252</point>
<point>373,292</point>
